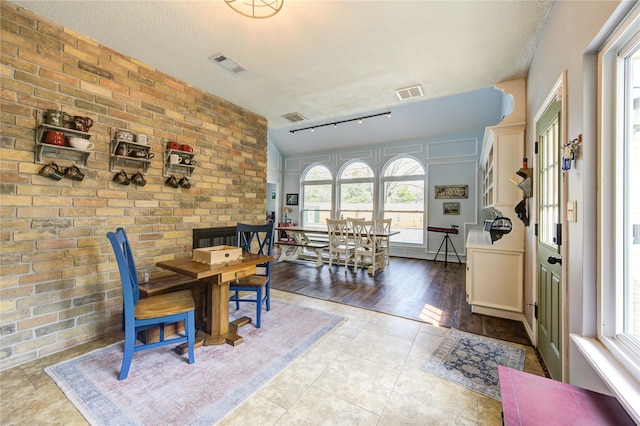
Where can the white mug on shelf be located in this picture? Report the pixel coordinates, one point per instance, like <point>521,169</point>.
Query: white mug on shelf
<point>141,139</point>
<point>174,159</point>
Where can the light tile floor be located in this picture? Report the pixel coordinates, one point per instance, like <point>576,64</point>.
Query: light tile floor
<point>366,372</point>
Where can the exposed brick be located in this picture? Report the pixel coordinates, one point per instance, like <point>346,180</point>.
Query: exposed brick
<point>93,69</point>
<point>90,298</point>
<point>55,327</point>
<point>34,322</point>
<point>60,278</point>
<point>40,38</point>
<point>7,329</point>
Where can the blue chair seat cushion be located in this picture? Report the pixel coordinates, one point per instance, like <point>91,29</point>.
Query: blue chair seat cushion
<point>178,302</point>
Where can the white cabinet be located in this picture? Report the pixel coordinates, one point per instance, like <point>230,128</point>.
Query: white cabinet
<point>494,278</point>
<point>502,153</point>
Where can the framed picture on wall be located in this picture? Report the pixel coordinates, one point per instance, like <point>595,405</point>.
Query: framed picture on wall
<point>451,191</point>
<point>451,208</point>
<point>292,199</point>
<point>273,195</point>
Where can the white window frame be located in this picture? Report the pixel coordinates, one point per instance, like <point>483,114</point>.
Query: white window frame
<point>304,184</point>
<point>423,177</point>
<point>340,181</point>
<point>617,365</point>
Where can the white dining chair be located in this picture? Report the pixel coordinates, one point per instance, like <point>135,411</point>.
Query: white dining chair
<point>366,246</point>
<point>339,242</point>
<point>383,226</point>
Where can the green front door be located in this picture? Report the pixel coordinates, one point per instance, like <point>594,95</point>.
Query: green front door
<point>549,241</point>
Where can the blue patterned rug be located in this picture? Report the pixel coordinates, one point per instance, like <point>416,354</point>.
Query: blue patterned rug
<point>164,389</point>
<point>472,361</point>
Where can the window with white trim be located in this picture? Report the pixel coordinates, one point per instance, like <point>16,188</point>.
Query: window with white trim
<point>317,190</point>
<point>619,195</point>
<point>356,191</point>
<point>403,183</point>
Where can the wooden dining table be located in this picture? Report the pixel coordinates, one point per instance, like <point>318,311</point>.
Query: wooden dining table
<point>306,243</point>
<point>217,277</point>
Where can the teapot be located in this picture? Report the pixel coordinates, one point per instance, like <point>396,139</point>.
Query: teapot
<point>82,123</point>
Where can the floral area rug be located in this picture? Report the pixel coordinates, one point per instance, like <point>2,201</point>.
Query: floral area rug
<point>163,388</point>
<point>472,361</point>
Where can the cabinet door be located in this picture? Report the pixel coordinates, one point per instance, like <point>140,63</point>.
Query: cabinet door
<point>496,279</point>
<point>508,152</point>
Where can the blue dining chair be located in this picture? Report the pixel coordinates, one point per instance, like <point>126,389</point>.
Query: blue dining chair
<point>155,311</point>
<point>254,239</point>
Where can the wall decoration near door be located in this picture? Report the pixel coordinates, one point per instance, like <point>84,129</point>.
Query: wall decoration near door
<point>451,208</point>
<point>451,191</point>
<point>292,199</point>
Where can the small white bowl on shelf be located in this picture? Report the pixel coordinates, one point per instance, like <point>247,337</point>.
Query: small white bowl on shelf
<point>81,143</point>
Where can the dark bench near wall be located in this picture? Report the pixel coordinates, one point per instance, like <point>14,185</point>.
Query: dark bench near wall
<point>211,237</point>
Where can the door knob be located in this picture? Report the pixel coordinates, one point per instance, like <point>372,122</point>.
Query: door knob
<point>553,260</point>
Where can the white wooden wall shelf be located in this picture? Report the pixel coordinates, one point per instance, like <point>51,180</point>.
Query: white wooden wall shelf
<point>118,161</point>
<point>45,150</point>
<point>186,165</point>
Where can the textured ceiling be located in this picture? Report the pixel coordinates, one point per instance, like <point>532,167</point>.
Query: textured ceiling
<point>326,60</point>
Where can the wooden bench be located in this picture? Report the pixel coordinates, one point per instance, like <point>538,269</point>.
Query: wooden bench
<point>298,253</point>
<point>169,283</point>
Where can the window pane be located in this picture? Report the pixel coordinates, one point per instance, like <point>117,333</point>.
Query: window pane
<point>549,168</point>
<point>318,173</point>
<point>315,218</point>
<point>357,170</point>
<point>404,204</point>
<point>631,215</point>
<point>317,197</point>
<point>403,200</point>
<point>316,204</point>
<point>404,167</point>
<point>355,197</point>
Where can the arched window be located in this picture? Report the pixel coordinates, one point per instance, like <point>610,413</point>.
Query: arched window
<point>403,183</point>
<point>356,191</point>
<point>317,187</point>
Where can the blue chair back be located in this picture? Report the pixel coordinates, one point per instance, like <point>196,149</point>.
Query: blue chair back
<point>127,268</point>
<point>256,239</point>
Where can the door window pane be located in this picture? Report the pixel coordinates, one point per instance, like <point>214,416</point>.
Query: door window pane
<point>549,168</point>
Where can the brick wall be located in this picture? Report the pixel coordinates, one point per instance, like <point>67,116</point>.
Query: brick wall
<point>59,285</point>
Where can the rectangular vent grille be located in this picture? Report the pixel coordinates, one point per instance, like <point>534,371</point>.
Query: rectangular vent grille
<point>226,63</point>
<point>294,117</point>
<point>409,93</point>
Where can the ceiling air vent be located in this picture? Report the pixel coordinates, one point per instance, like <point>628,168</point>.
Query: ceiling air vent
<point>226,63</point>
<point>409,93</point>
<point>294,117</point>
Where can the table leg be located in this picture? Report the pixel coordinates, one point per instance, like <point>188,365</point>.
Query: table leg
<point>319,260</point>
<point>284,250</point>
<point>218,327</point>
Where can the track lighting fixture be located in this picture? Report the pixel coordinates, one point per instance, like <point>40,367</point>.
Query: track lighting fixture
<point>335,123</point>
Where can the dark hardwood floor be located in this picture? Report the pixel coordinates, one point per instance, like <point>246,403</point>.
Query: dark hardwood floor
<point>422,290</point>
